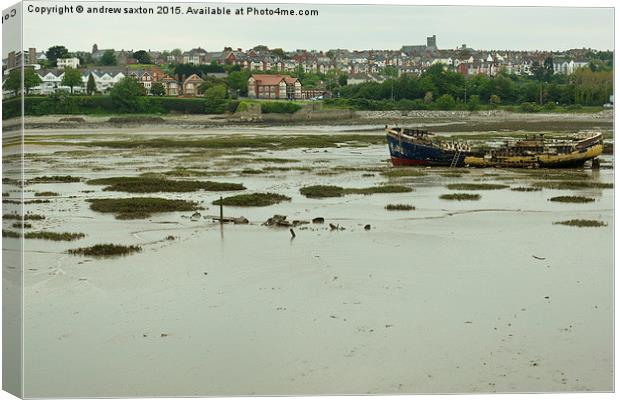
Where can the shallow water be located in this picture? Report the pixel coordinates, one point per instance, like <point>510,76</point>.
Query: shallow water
<point>472,296</point>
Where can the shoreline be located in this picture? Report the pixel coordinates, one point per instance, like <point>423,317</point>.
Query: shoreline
<point>442,121</point>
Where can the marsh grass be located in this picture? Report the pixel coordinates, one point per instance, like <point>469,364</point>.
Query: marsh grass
<point>287,169</point>
<point>582,223</point>
<point>552,174</point>
<point>45,194</point>
<point>572,199</point>
<point>37,201</point>
<point>55,236</point>
<point>525,189</point>
<point>250,171</point>
<point>186,172</point>
<point>105,250</point>
<point>476,186</point>
<point>322,191</point>
<point>403,171</point>
<point>10,234</point>
<point>55,179</point>
<point>27,217</point>
<point>276,160</point>
<point>140,207</point>
<point>399,207</point>
<point>460,196</point>
<point>256,142</point>
<point>319,191</point>
<point>573,185</point>
<point>252,200</point>
<point>154,184</point>
<point>20,226</point>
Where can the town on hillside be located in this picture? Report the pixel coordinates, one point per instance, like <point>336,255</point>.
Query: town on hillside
<point>274,73</point>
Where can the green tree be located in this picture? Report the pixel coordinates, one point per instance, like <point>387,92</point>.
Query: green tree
<point>390,71</point>
<point>343,79</point>
<point>108,58</point>
<point>537,71</point>
<point>428,97</point>
<point>176,53</point>
<point>72,78</point>
<point>473,103</point>
<point>54,53</point>
<point>278,52</point>
<point>548,69</point>
<point>143,57</point>
<point>495,101</point>
<point>445,102</point>
<point>31,79</point>
<point>91,87</point>
<point>215,99</point>
<point>14,82</point>
<point>157,89</point>
<point>85,59</point>
<point>125,95</point>
<point>238,81</point>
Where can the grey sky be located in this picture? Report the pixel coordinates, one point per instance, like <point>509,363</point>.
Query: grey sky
<point>352,27</point>
<point>11,31</point>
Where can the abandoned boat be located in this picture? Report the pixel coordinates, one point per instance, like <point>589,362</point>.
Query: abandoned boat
<point>418,147</point>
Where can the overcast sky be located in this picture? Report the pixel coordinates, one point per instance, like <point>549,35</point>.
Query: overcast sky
<point>352,27</point>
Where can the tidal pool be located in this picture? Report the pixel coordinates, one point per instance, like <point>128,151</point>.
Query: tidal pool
<point>452,297</point>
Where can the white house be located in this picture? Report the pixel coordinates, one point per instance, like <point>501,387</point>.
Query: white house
<point>72,62</point>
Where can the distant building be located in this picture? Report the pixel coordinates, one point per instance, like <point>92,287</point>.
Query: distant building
<point>263,86</point>
<point>195,56</point>
<point>431,46</point>
<point>191,84</point>
<point>171,86</point>
<point>97,53</point>
<point>431,42</point>
<point>72,62</point>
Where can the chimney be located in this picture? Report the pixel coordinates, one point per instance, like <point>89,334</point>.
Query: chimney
<point>32,55</point>
<point>12,62</point>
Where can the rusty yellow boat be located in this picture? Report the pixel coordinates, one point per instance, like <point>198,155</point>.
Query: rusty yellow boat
<point>536,152</point>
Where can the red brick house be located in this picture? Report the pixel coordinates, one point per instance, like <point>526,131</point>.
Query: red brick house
<point>264,86</point>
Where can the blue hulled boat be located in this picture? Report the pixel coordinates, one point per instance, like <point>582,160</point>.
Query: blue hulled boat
<point>416,147</point>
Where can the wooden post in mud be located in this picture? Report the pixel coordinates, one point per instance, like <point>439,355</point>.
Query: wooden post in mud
<point>221,210</point>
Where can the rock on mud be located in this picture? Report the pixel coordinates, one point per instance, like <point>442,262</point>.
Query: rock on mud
<point>278,220</point>
<point>241,221</point>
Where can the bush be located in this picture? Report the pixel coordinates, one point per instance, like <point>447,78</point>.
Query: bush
<point>180,105</point>
<point>474,103</point>
<point>445,102</point>
<point>549,106</point>
<point>125,95</point>
<point>233,105</point>
<point>63,103</point>
<point>277,107</point>
<point>529,107</point>
<point>494,101</point>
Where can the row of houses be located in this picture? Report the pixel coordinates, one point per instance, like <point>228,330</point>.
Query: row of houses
<point>106,77</point>
<point>409,59</point>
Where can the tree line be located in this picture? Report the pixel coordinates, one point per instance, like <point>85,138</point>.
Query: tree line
<point>585,87</point>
